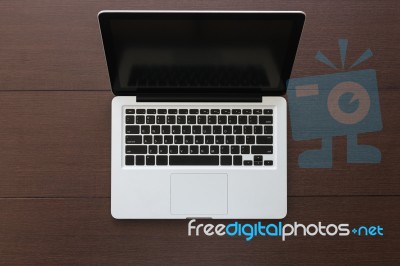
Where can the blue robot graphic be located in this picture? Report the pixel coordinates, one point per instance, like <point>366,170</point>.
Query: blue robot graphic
<point>341,104</point>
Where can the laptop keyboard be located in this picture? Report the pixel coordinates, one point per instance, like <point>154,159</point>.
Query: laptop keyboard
<point>198,137</point>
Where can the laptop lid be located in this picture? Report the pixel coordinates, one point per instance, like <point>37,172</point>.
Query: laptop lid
<point>200,52</point>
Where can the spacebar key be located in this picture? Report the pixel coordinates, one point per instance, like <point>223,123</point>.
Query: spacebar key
<point>193,160</point>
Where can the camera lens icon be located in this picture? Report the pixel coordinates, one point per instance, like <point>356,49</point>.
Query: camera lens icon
<point>358,92</point>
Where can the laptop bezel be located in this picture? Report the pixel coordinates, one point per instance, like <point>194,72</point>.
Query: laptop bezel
<point>105,16</point>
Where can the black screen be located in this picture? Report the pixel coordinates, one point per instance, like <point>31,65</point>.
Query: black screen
<point>200,52</point>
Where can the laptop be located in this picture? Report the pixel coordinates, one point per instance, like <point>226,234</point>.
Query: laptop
<point>199,122</point>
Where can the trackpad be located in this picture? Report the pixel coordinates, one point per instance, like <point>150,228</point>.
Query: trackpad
<point>199,194</point>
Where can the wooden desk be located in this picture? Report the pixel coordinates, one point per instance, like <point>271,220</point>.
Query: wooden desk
<point>55,104</point>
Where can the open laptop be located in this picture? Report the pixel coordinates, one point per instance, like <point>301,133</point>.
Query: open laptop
<point>199,121</point>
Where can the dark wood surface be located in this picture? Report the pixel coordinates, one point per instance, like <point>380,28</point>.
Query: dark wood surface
<point>55,104</point>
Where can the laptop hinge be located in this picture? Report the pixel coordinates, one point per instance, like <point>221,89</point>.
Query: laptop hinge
<point>199,98</point>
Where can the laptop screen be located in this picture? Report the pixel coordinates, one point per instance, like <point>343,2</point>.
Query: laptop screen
<point>200,52</point>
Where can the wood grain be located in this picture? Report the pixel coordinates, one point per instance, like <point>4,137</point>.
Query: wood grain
<point>57,144</point>
<point>56,45</point>
<point>81,231</point>
<point>55,106</point>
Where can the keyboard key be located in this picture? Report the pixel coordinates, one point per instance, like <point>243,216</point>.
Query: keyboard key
<point>158,139</point>
<point>130,119</point>
<point>257,129</point>
<point>230,139</point>
<point>137,139</point>
<point>237,130</point>
<point>225,111</point>
<point>191,119</point>
<point>204,149</point>
<point>153,149</point>
<point>247,162</point>
<point>183,149</point>
<point>162,111</point>
<point>250,140</point>
<point>181,119</point>
<point>136,149</point>
<point>232,119</point>
<point>129,160</point>
<point>212,119</point>
<point>186,130</point>
<point>130,111</point>
<point>199,140</point>
<point>209,139</point>
<point>235,149</point>
<point>225,149</point>
<point>217,129</point>
<point>264,119</point>
<point>188,139</point>
<point>194,160</point>
<point>194,111</point>
<point>178,139</point>
<point>201,119</point>
<point>253,120</point>
<point>222,119</point>
<point>168,139</point>
<point>227,129</point>
<point>242,119</point>
<point>148,139</point>
<point>214,111</point>
<point>173,149</point>
<point>268,162</point>
<point>176,129</point>
<point>151,111</point>
<point>214,149</point>
<point>155,130</point>
<point>248,130</point>
<point>267,129</point>
<point>140,160</point>
<point>204,111</point>
<point>145,129</point>
<point>257,111</point>
<point>258,157</point>
<point>171,119</point>
<point>162,160</point>
<point>237,160</point>
<point>261,149</point>
<point>196,130</point>
<point>268,111</point>
<point>140,119</point>
<point>206,129</point>
<point>236,111</point>
<point>132,130</point>
<point>246,111</point>
<point>166,129</point>
<point>240,139</point>
<point>150,160</point>
<point>172,111</point>
<point>245,149</point>
<point>226,160</point>
<point>140,111</point>
<point>264,139</point>
<point>194,149</point>
<point>219,139</point>
<point>160,119</point>
<point>163,149</point>
<point>183,111</point>
<point>258,163</point>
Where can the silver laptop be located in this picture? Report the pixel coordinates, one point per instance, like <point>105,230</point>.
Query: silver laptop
<point>198,117</point>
